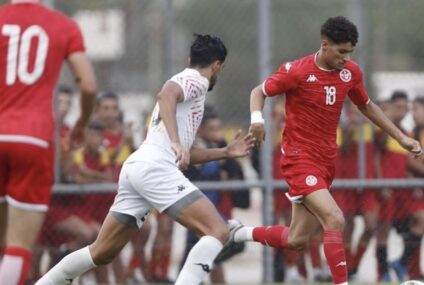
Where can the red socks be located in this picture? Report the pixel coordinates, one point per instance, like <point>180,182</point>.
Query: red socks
<point>274,236</point>
<point>334,252</point>
<point>15,266</point>
<point>159,263</point>
<point>277,237</point>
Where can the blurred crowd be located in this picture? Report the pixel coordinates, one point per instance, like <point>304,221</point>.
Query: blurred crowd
<point>74,220</point>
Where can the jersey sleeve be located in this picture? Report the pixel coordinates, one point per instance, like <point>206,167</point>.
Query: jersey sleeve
<point>358,94</point>
<point>281,81</point>
<point>75,39</point>
<point>190,86</point>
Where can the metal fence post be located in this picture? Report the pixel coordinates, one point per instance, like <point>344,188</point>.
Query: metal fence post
<point>264,43</point>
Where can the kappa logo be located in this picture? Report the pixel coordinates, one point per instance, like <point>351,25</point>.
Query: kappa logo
<point>288,66</point>
<point>345,75</point>
<point>311,180</point>
<point>205,267</point>
<point>341,263</point>
<point>312,78</point>
<point>180,188</point>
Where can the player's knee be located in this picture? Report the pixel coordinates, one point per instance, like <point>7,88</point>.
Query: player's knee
<point>298,243</point>
<point>102,256</point>
<point>370,229</point>
<point>335,221</point>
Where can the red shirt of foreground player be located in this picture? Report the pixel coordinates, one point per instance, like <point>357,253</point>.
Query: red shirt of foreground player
<point>314,100</point>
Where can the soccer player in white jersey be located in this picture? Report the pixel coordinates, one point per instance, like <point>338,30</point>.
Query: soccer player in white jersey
<point>152,178</point>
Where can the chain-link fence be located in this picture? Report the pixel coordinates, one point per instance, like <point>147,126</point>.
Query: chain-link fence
<point>136,45</point>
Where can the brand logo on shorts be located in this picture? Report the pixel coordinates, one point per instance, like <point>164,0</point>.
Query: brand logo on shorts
<point>181,188</point>
<point>341,263</point>
<point>345,75</point>
<point>311,180</point>
<point>205,267</point>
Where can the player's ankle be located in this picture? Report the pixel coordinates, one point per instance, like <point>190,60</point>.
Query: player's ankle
<point>244,234</point>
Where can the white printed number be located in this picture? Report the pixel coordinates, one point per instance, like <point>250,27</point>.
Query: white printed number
<point>18,53</point>
<point>330,96</point>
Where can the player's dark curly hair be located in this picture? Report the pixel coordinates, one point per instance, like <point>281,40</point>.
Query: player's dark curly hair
<point>340,30</point>
<point>206,49</point>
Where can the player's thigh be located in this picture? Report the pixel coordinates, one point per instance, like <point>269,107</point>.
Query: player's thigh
<point>202,218</point>
<point>325,208</point>
<point>30,176</point>
<point>303,223</point>
<point>76,227</point>
<point>23,227</point>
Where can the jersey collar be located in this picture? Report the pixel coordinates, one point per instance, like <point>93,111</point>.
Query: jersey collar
<point>319,67</point>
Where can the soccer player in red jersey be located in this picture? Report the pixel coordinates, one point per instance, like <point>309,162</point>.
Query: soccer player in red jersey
<point>315,88</point>
<point>34,42</point>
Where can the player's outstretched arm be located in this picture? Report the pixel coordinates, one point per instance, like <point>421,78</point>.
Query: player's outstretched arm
<point>84,76</point>
<point>257,101</point>
<point>238,147</point>
<point>377,116</point>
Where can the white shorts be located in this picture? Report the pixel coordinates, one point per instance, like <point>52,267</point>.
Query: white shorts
<point>145,185</point>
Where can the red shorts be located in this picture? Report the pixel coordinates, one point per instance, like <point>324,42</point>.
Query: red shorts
<point>59,211</point>
<point>26,175</point>
<point>354,201</point>
<point>281,203</point>
<point>304,176</point>
<point>417,201</point>
<point>98,205</point>
<point>397,206</point>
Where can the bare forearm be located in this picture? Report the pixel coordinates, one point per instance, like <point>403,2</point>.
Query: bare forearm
<point>257,99</point>
<point>198,155</point>
<point>84,76</point>
<point>377,116</point>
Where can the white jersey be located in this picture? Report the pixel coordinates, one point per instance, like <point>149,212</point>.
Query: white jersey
<point>189,113</point>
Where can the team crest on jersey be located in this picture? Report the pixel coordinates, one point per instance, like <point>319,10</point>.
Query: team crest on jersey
<point>345,75</point>
<point>311,180</point>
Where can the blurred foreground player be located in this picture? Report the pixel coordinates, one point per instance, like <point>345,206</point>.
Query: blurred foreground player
<point>151,177</point>
<point>34,42</point>
<point>315,88</point>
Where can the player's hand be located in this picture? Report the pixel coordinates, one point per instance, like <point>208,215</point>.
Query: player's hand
<point>258,133</point>
<point>77,135</point>
<point>183,156</point>
<point>412,146</point>
<point>239,146</point>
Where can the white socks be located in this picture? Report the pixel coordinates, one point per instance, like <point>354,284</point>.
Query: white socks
<point>199,261</point>
<point>244,234</point>
<point>70,267</point>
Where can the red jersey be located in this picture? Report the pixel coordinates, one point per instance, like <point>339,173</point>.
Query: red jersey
<point>314,100</point>
<point>34,42</point>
